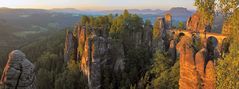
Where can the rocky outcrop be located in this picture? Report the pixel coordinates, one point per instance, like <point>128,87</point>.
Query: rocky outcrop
<point>200,60</point>
<point>18,72</point>
<point>210,76</point>
<point>70,49</point>
<point>188,74</point>
<point>198,73</point>
<point>168,20</point>
<point>95,52</point>
<point>159,39</point>
<point>194,23</point>
<point>172,50</point>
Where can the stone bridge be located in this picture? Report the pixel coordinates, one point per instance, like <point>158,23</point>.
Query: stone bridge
<point>203,36</point>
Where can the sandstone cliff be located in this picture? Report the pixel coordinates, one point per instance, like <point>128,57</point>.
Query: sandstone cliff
<point>196,71</point>
<point>194,23</point>
<point>188,74</point>
<point>70,49</point>
<point>18,72</point>
<point>160,39</point>
<point>96,52</point>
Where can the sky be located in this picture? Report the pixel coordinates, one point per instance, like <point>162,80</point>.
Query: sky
<point>98,4</point>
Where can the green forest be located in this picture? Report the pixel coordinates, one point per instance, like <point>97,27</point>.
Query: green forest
<point>144,69</point>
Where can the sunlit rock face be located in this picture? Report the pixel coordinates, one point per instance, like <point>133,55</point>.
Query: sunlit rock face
<point>188,74</point>
<point>18,72</point>
<point>82,36</point>
<point>210,76</point>
<point>200,60</point>
<point>194,23</point>
<point>196,71</point>
<point>168,20</point>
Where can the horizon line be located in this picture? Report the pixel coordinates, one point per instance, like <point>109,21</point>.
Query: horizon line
<point>96,9</point>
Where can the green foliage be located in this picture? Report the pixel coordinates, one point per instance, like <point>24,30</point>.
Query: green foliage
<point>44,79</point>
<point>156,30</point>
<point>227,7</point>
<point>207,9</point>
<point>227,69</point>
<point>51,71</point>
<point>147,23</point>
<point>181,25</point>
<point>71,78</point>
<point>125,24</point>
<point>164,74</point>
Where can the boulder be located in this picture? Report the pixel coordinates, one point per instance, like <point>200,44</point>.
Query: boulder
<point>18,72</point>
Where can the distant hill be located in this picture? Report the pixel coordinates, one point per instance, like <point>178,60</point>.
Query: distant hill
<point>136,11</point>
<point>179,11</point>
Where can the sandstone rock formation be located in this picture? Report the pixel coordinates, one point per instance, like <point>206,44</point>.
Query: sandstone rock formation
<point>172,50</point>
<point>159,40</point>
<point>198,73</point>
<point>210,76</point>
<point>194,23</point>
<point>168,20</point>
<point>96,52</point>
<point>70,46</point>
<point>82,37</point>
<point>200,60</point>
<point>188,74</point>
<point>18,72</point>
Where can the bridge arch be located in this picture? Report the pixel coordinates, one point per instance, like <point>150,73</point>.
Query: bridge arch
<point>181,34</point>
<point>225,46</point>
<point>212,47</point>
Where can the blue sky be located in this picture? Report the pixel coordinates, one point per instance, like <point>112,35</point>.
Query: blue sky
<point>98,4</point>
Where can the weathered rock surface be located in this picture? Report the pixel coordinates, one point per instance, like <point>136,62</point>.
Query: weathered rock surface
<point>194,23</point>
<point>70,49</point>
<point>168,20</point>
<point>188,75</point>
<point>172,50</point>
<point>198,73</point>
<point>96,52</point>
<point>210,76</point>
<point>18,72</point>
<point>158,40</point>
<point>200,60</point>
